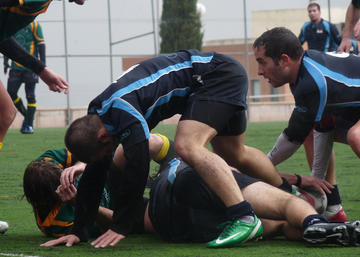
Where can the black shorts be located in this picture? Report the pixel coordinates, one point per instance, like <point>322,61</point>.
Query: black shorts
<point>227,120</point>
<point>219,97</point>
<point>183,208</point>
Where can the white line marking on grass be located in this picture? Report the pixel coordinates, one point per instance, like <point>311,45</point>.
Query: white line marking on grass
<point>15,254</point>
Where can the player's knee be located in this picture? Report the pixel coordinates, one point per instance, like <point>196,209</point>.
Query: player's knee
<point>353,139</point>
<point>185,150</point>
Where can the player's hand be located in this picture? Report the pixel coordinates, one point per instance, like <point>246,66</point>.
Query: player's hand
<point>345,45</point>
<point>68,240</point>
<point>316,183</point>
<point>108,238</point>
<point>69,175</point>
<point>66,194</point>
<point>54,81</point>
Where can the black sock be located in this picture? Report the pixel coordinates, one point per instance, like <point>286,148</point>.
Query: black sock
<point>285,185</point>
<point>239,210</point>
<point>334,197</point>
<point>313,219</point>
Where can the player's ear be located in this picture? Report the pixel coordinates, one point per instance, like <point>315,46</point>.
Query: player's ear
<point>104,137</point>
<point>284,60</point>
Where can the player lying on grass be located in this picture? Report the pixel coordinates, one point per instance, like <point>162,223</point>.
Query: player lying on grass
<point>54,205</point>
<point>183,209</point>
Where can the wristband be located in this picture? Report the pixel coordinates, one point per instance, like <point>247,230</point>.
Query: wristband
<point>298,182</point>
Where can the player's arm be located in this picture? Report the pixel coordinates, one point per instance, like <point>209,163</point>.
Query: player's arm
<point>300,124</point>
<point>302,35</point>
<point>40,42</point>
<point>14,51</point>
<point>128,186</point>
<point>334,34</point>
<point>352,16</point>
<point>88,197</point>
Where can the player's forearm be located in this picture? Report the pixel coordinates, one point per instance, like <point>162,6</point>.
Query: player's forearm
<point>282,149</point>
<point>88,197</point>
<point>352,16</point>
<point>42,55</point>
<point>14,51</point>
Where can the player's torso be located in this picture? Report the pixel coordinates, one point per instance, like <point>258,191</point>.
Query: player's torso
<point>333,78</point>
<point>157,88</point>
<point>13,19</point>
<point>317,36</point>
<point>25,37</point>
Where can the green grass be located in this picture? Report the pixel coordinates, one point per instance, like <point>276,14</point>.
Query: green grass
<point>24,237</point>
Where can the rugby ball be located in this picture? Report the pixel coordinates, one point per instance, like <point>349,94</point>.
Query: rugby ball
<point>3,227</point>
<point>314,197</point>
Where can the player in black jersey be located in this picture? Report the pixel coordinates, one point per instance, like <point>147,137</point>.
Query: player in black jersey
<point>209,91</point>
<point>182,208</point>
<point>323,84</point>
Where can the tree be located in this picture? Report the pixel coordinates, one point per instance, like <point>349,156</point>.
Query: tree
<point>180,26</point>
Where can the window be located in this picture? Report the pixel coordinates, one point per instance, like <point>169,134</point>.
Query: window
<point>274,91</point>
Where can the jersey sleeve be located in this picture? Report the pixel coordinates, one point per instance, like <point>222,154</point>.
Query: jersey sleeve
<point>335,35</point>
<point>302,35</point>
<point>304,115</point>
<point>128,186</point>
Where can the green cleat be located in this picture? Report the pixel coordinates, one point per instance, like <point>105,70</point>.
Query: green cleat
<point>237,232</point>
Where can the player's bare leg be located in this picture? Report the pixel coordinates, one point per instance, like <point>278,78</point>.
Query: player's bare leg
<point>190,143</point>
<point>247,159</point>
<point>353,138</point>
<point>7,112</point>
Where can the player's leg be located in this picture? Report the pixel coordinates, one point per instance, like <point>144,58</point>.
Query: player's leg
<point>272,203</point>
<point>7,113</point>
<point>193,134</point>
<point>30,83</point>
<point>334,210</point>
<point>353,138</point>
<point>229,144</point>
<point>13,85</point>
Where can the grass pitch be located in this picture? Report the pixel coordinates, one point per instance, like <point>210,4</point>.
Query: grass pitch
<point>24,238</point>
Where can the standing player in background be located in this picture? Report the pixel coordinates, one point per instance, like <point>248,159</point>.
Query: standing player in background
<point>32,40</point>
<point>323,36</point>
<point>14,15</point>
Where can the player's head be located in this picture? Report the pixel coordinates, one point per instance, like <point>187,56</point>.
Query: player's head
<point>276,51</point>
<point>314,12</point>
<point>87,139</point>
<point>41,179</point>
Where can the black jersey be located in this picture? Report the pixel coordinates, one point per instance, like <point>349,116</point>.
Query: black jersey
<point>323,36</point>
<point>327,84</point>
<point>158,88</point>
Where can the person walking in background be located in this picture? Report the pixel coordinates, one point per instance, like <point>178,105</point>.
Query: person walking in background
<point>32,40</point>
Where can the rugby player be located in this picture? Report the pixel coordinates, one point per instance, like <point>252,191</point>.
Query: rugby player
<point>209,91</point>
<point>182,208</point>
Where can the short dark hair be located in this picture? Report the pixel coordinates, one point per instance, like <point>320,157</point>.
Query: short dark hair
<point>81,137</point>
<point>41,179</point>
<point>314,4</point>
<point>278,41</point>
